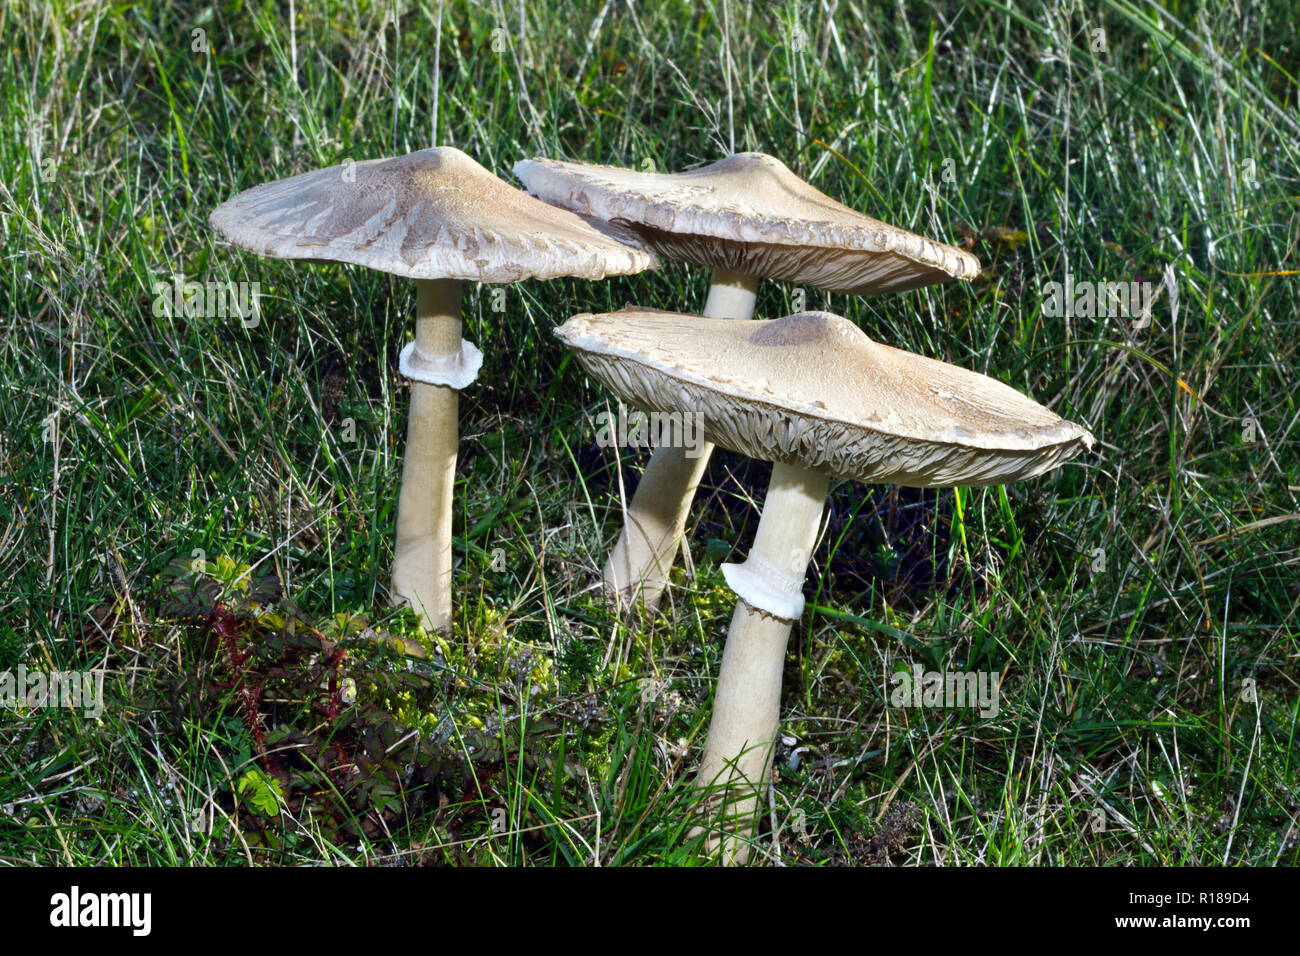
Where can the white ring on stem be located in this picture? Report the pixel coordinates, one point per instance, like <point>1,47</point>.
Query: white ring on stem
<point>764,586</point>
<point>457,371</point>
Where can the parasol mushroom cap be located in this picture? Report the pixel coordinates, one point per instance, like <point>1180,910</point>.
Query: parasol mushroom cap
<point>432,214</point>
<point>750,214</point>
<point>813,390</point>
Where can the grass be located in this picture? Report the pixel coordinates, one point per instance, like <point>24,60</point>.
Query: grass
<point>1140,604</point>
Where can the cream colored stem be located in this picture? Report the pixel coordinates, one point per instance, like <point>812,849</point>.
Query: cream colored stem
<point>746,705</point>
<point>652,529</point>
<point>731,295</point>
<point>422,566</point>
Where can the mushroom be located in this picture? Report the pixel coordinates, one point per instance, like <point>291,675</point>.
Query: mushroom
<point>440,218</point>
<point>747,216</point>
<point>815,396</point>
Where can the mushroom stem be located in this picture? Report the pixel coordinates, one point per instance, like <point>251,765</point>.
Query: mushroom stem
<point>746,705</point>
<point>656,518</point>
<point>422,565</point>
<point>731,295</point>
